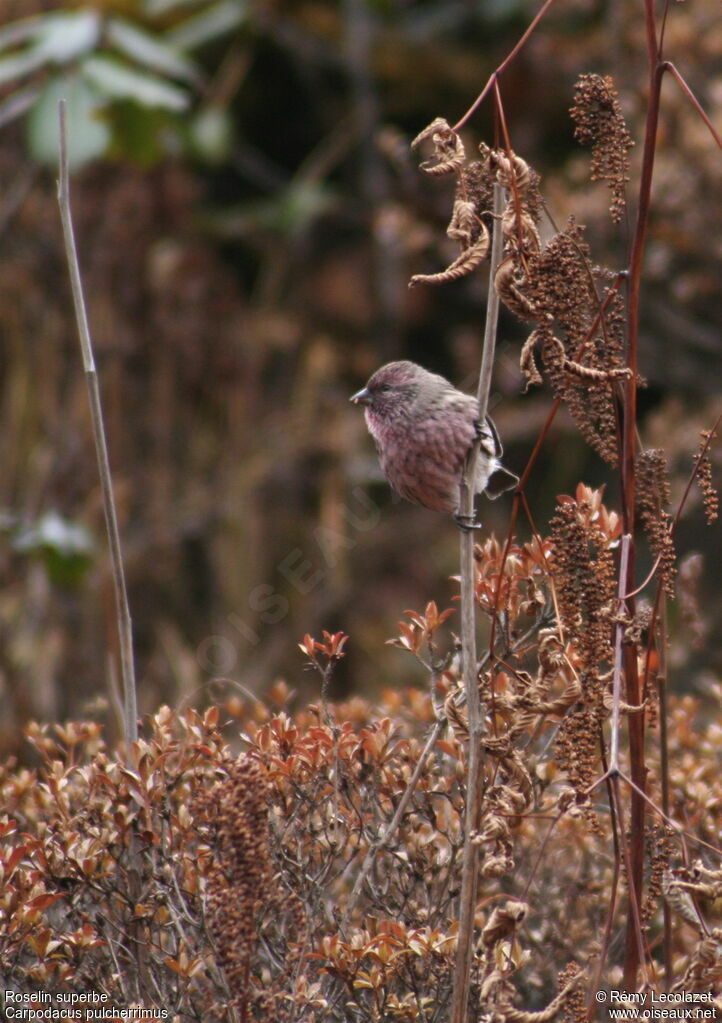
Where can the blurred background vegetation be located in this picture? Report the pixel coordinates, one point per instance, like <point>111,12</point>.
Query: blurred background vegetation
<point>248,214</point>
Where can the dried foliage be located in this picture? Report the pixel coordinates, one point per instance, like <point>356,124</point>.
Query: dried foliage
<point>703,475</point>
<point>653,497</point>
<point>554,286</point>
<point>283,883</point>
<point>599,123</point>
<point>103,874</point>
<point>583,534</point>
<point>472,203</point>
<point>237,813</point>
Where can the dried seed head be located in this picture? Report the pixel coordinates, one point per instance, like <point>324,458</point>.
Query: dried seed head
<point>652,496</point>
<point>582,363</point>
<point>237,810</point>
<point>704,478</point>
<point>600,124</point>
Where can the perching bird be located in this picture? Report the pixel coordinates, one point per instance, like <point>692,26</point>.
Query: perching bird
<point>423,429</point>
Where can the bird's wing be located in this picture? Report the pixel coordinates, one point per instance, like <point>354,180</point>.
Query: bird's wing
<point>445,434</point>
<point>490,440</point>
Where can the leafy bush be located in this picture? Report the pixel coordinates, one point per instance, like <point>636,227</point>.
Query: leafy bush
<point>315,875</point>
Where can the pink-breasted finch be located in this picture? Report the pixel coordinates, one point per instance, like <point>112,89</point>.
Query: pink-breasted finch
<point>423,428</point>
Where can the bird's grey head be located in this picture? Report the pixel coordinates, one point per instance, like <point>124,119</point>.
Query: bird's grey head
<point>392,389</point>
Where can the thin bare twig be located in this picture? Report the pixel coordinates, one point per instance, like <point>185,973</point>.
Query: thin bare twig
<point>618,659</point>
<point>503,66</point>
<point>675,73</point>
<point>125,631</point>
<point>395,820</point>
<point>469,875</point>
<point>693,475</point>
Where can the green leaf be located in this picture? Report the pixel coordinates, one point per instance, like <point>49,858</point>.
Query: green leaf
<point>66,548</point>
<point>19,31</point>
<point>287,214</point>
<point>220,18</point>
<point>150,51</point>
<point>139,134</point>
<point>65,37</point>
<point>88,136</point>
<point>55,39</point>
<point>118,81</point>
<point>19,65</point>
<point>154,7</point>
<point>211,134</point>
<point>18,103</point>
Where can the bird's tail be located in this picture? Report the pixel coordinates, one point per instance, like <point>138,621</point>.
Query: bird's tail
<point>499,481</point>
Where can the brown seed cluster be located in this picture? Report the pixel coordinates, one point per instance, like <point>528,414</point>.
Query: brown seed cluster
<point>575,1009</point>
<point>652,498</point>
<point>704,478</point>
<point>600,124</point>
<point>240,879</point>
<point>660,852</point>
<point>580,335</point>
<point>585,580</point>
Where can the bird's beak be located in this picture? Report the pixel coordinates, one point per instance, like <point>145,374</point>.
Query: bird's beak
<point>362,397</point>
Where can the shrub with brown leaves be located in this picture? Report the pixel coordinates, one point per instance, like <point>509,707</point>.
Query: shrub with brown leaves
<point>315,876</point>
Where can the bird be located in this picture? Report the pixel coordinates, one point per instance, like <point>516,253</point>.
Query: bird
<point>423,428</point>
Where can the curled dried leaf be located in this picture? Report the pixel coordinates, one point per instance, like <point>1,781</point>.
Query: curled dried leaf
<point>464,222</point>
<point>503,921</point>
<point>467,261</point>
<point>509,282</point>
<point>578,369</point>
<point>449,154</point>
<point>527,362</point>
<point>519,228</point>
<point>552,1011</point>
<point>512,172</point>
<point>555,355</point>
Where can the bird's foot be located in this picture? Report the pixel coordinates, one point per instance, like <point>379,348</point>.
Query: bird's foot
<point>467,522</point>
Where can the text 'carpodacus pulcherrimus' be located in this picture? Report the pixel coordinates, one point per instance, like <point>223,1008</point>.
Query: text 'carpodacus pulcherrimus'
<point>423,428</point>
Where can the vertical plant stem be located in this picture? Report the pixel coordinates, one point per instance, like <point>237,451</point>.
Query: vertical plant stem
<point>393,825</point>
<point>510,57</point>
<point>470,872</point>
<point>638,769</point>
<point>492,309</point>
<point>664,772</point>
<point>125,631</point>
<point>618,657</point>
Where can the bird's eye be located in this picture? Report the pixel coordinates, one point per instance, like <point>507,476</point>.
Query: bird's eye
<point>385,387</point>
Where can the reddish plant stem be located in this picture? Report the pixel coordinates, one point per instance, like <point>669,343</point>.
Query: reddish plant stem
<point>515,196</point>
<point>497,591</point>
<point>674,72</point>
<point>661,679</point>
<point>503,66</point>
<point>638,770</point>
<point>659,614</point>
<point>693,475</point>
